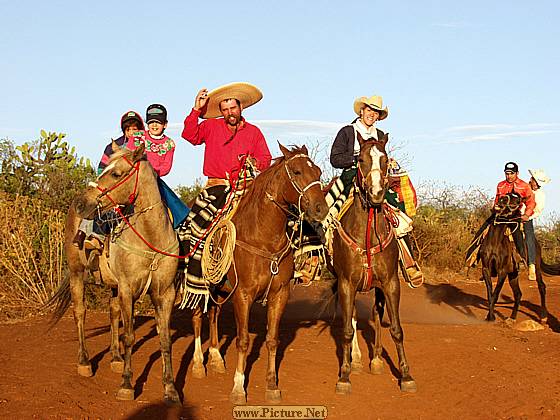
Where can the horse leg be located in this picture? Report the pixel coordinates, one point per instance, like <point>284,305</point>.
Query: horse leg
<point>513,279</point>
<point>496,295</point>
<point>198,370</point>
<point>376,364</point>
<point>163,304</point>
<point>356,353</point>
<point>117,362</point>
<point>214,357</point>
<point>393,293</point>
<point>242,306</point>
<point>542,287</point>
<point>79,310</point>
<point>347,296</point>
<point>276,308</point>
<point>488,281</point>
<point>126,392</point>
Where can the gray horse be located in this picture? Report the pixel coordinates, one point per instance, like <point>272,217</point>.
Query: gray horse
<point>138,261</point>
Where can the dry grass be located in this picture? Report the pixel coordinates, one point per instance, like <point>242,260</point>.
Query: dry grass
<point>31,254</point>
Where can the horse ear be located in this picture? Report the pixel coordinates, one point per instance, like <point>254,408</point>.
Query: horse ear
<point>385,139</point>
<point>284,150</point>
<point>138,153</point>
<point>360,138</point>
<point>114,146</point>
<point>304,149</point>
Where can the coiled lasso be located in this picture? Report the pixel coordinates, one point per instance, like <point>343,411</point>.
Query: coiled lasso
<point>217,254</point>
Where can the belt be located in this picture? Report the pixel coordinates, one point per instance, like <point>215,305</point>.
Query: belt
<point>212,182</point>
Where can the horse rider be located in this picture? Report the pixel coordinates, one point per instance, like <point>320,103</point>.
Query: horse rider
<point>344,155</point>
<point>538,179</point>
<point>511,184</point>
<point>227,137</point>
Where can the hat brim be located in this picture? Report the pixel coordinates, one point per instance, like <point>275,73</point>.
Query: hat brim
<point>245,93</point>
<point>359,104</point>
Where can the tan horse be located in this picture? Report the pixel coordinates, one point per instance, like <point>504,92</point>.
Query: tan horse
<point>366,221</point>
<point>263,258</point>
<point>130,265</point>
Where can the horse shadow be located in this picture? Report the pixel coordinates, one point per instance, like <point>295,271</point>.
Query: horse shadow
<point>455,298</point>
<point>106,329</point>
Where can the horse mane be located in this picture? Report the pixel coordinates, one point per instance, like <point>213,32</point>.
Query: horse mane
<point>262,181</point>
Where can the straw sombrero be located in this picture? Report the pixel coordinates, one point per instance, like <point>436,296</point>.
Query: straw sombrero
<point>375,102</point>
<point>540,176</point>
<point>245,93</point>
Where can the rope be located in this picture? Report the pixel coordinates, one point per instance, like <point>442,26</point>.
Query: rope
<point>217,253</point>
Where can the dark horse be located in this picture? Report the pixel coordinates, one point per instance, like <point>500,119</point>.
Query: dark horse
<point>263,261</point>
<point>366,228</point>
<point>129,265</point>
<point>498,256</point>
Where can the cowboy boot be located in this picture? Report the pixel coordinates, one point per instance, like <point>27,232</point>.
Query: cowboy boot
<point>411,270</point>
<point>79,239</point>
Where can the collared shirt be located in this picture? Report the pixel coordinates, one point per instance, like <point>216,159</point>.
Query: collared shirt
<point>520,187</point>
<point>366,132</point>
<point>159,151</point>
<point>540,199</point>
<point>223,148</point>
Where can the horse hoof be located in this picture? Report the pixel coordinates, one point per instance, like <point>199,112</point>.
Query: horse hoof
<point>172,399</point>
<point>238,398</point>
<point>198,372</point>
<point>376,366</point>
<point>273,396</point>
<point>117,366</point>
<point>343,388</point>
<point>357,367</point>
<point>125,394</point>
<point>85,370</point>
<point>408,386</point>
<point>218,367</point>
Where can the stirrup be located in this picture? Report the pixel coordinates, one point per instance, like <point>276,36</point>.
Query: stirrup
<point>415,278</point>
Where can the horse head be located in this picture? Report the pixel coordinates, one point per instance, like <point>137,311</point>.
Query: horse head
<point>304,186</point>
<point>509,205</point>
<point>116,185</point>
<point>372,179</point>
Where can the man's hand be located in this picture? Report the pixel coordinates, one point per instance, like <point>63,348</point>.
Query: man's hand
<point>201,99</point>
<point>524,218</point>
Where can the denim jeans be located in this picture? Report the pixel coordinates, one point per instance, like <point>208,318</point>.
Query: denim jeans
<point>531,241</point>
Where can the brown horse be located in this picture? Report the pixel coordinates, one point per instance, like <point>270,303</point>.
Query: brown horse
<point>129,265</point>
<point>497,254</point>
<point>366,229</point>
<point>263,259</point>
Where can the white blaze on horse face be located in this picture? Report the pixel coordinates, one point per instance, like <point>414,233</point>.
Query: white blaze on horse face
<point>107,169</point>
<point>375,175</point>
<point>309,164</point>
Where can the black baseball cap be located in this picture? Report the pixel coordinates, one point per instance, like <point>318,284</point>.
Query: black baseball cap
<point>511,167</point>
<point>156,112</point>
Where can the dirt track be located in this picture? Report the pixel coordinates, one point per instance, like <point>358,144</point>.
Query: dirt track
<point>463,366</point>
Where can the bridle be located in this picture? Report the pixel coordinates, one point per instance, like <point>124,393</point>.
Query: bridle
<point>361,183</point>
<point>134,170</point>
<point>299,190</point>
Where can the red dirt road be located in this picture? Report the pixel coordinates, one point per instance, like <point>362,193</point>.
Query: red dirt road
<point>463,366</point>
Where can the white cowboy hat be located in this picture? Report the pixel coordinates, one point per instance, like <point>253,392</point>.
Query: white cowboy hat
<point>245,93</point>
<point>539,176</point>
<point>374,102</point>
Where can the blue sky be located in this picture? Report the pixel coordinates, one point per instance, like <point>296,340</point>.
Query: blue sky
<point>469,85</point>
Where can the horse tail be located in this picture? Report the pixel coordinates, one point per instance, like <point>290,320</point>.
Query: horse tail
<point>62,299</point>
<point>550,269</point>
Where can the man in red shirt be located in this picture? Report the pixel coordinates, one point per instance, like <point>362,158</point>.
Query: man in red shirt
<point>226,139</point>
<point>513,183</point>
<point>229,137</point>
